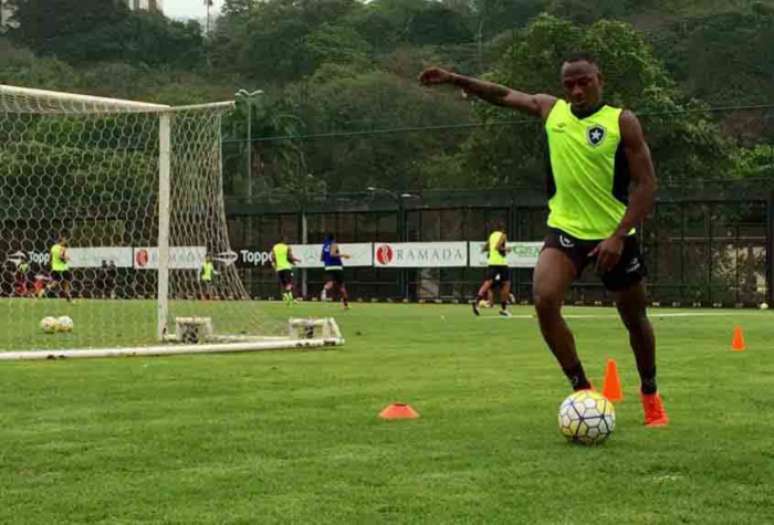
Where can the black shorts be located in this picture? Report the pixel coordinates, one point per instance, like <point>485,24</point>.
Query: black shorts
<point>285,277</point>
<point>629,270</point>
<point>61,276</point>
<point>335,276</point>
<point>498,274</point>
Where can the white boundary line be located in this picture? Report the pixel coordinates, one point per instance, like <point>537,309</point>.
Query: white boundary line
<point>616,316</point>
<point>251,346</point>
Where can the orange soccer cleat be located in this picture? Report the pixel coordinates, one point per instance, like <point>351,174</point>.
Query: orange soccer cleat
<point>655,415</point>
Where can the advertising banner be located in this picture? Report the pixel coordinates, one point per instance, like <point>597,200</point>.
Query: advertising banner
<point>519,254</point>
<point>93,256</point>
<point>420,255</point>
<point>360,254</point>
<point>180,257</point>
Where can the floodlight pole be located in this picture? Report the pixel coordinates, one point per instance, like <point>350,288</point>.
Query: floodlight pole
<point>250,99</point>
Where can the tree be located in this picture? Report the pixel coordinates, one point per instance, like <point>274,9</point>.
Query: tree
<point>237,8</point>
<point>335,44</point>
<point>86,31</point>
<point>267,41</point>
<point>348,103</point>
<point>723,59</point>
<point>685,143</point>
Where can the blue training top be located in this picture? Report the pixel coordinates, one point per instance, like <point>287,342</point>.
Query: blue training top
<point>331,262</point>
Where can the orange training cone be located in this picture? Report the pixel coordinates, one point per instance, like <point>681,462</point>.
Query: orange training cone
<point>737,342</point>
<point>612,386</point>
<point>398,411</point>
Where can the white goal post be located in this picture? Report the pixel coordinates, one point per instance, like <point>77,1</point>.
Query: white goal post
<point>133,192</point>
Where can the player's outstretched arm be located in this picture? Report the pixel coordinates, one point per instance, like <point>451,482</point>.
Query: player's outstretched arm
<point>538,105</point>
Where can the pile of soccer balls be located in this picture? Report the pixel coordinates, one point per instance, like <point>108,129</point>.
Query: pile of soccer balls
<point>586,417</point>
<point>52,325</point>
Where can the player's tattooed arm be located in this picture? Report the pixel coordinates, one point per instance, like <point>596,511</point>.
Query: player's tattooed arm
<point>538,105</point>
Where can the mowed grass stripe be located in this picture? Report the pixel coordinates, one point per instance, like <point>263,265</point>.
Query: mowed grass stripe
<point>284,437</point>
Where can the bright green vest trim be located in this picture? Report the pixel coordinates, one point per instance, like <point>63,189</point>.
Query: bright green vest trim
<point>207,270</point>
<point>281,256</point>
<point>495,259</point>
<point>582,153</point>
<point>58,264</point>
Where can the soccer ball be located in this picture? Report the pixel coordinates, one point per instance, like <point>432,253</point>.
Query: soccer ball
<point>64,324</point>
<point>764,306</point>
<point>586,417</point>
<point>48,324</point>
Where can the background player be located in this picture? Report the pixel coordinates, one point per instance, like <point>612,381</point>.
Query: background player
<point>282,260</point>
<point>498,277</point>
<point>332,257</point>
<point>60,268</point>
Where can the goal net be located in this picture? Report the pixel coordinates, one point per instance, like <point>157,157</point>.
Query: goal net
<point>130,194</point>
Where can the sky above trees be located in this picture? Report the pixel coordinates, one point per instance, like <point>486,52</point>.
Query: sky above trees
<point>189,8</point>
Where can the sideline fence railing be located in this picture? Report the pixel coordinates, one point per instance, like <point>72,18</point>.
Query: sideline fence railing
<point>705,245</point>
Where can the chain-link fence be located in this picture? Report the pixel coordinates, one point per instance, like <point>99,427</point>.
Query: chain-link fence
<point>709,244</point>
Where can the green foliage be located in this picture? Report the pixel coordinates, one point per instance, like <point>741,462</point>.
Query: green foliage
<point>347,66</point>
<point>684,142</point>
<point>84,31</point>
<point>22,67</point>
<point>343,100</point>
<point>724,59</point>
<point>754,162</point>
<point>335,44</point>
<point>582,11</point>
<point>269,41</point>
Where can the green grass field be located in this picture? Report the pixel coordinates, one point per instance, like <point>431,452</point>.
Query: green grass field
<point>293,437</point>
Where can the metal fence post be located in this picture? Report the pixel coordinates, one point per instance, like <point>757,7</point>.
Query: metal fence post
<point>304,240</point>
<point>402,237</point>
<point>770,248</point>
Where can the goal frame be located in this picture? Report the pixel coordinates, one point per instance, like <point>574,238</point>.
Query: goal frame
<point>165,114</point>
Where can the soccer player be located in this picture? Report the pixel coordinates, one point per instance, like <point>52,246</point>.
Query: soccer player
<point>282,260</point>
<point>331,257</point>
<point>498,275</point>
<point>596,152</point>
<point>206,275</point>
<point>60,268</point>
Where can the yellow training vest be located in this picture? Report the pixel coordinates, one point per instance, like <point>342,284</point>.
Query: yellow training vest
<point>58,263</point>
<point>588,180</point>
<point>281,261</point>
<point>207,270</point>
<point>495,258</point>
